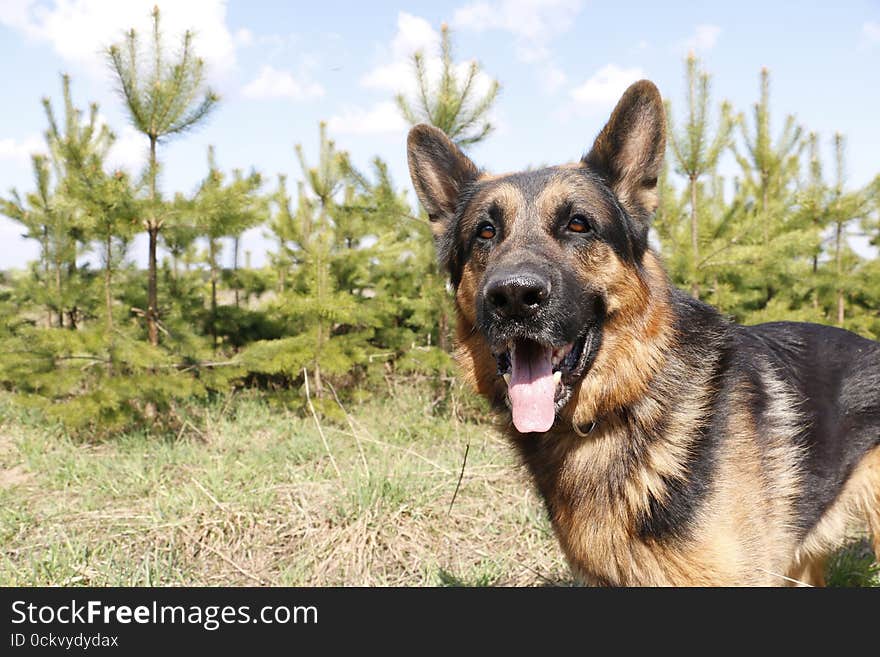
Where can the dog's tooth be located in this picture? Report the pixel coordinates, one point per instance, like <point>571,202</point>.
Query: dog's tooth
<point>557,377</point>
<point>506,376</point>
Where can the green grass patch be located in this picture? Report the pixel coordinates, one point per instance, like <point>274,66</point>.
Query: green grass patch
<point>251,494</point>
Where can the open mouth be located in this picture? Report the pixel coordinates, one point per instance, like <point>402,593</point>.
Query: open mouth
<point>540,378</point>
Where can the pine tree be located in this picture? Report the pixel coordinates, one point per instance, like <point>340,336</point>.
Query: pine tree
<point>338,257</point>
<point>103,203</point>
<point>179,238</point>
<point>221,209</point>
<point>769,168</point>
<point>164,99</point>
<point>62,212</point>
<point>42,221</point>
<point>775,243</point>
<point>317,238</point>
<point>842,211</point>
<point>452,103</point>
<point>282,227</point>
<point>409,289</point>
<point>696,151</point>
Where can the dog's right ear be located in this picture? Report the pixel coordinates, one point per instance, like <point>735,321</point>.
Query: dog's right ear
<point>439,171</point>
<point>628,153</point>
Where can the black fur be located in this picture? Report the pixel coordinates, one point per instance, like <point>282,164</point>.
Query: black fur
<point>625,235</point>
<point>836,375</point>
<point>703,339</point>
<point>829,400</point>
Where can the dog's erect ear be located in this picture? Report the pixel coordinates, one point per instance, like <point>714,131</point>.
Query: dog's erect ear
<point>628,153</point>
<point>439,171</point>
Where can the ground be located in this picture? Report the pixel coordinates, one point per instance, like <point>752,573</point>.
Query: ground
<point>257,496</point>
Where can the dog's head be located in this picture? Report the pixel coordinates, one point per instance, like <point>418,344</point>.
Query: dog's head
<point>541,260</point>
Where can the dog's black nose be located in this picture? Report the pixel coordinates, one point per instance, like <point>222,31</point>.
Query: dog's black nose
<point>517,296</point>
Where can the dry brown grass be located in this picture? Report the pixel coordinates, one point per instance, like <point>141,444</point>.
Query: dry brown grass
<point>252,498</point>
<point>255,500</point>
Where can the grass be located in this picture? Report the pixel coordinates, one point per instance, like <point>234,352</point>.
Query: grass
<point>252,497</point>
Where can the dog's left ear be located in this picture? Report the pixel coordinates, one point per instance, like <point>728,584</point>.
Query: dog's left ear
<point>439,172</point>
<point>628,153</point>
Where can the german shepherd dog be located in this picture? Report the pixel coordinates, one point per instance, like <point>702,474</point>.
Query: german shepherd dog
<point>670,445</point>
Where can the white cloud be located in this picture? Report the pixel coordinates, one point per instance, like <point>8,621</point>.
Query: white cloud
<point>17,251</point>
<point>80,30</point>
<point>396,73</point>
<point>244,37</point>
<point>19,151</point>
<point>605,87</point>
<point>129,151</point>
<point>413,34</point>
<point>382,118</point>
<point>703,39</point>
<point>14,13</point>
<point>273,83</point>
<point>533,22</point>
<point>871,32</point>
<point>552,77</point>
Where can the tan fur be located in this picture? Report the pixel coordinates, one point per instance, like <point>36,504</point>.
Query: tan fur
<point>630,430</point>
<point>630,147</point>
<point>755,492</point>
<point>743,534</point>
<point>636,337</point>
<point>858,502</point>
<point>736,537</point>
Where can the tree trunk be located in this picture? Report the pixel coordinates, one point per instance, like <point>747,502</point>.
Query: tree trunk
<point>152,272</point>
<point>108,295</point>
<point>213,255</point>
<point>47,266</point>
<point>695,242</point>
<point>318,385</point>
<point>60,307</point>
<point>235,245</point>
<point>319,343</point>
<point>71,276</point>
<point>443,330</point>
<point>765,201</point>
<point>282,267</point>
<point>152,288</point>
<point>838,256</point>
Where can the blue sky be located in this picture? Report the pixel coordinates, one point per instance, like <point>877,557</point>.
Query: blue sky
<point>282,67</point>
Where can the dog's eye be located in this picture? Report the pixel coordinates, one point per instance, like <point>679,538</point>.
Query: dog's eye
<point>579,224</point>
<point>486,231</point>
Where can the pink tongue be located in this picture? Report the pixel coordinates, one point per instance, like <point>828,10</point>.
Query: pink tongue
<point>531,388</point>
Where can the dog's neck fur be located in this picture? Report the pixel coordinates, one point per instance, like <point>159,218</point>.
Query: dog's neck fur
<point>625,463</point>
